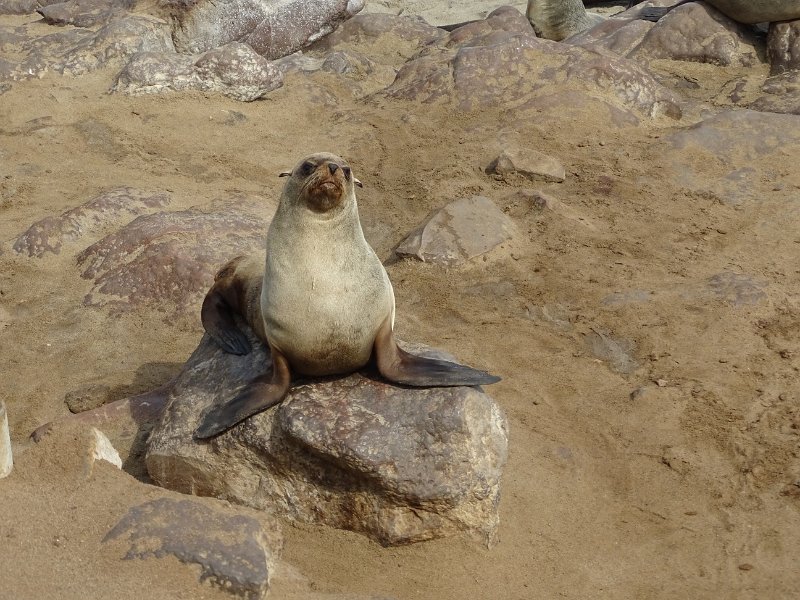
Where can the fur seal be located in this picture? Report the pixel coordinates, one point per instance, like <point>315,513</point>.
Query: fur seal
<point>560,19</point>
<point>322,301</point>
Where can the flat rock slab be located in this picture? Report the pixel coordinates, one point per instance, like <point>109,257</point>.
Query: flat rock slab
<point>781,94</point>
<point>459,231</point>
<point>273,29</point>
<point>234,70</point>
<point>233,550</point>
<point>728,154</point>
<point>399,465</point>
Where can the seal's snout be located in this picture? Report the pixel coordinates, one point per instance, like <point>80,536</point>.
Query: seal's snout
<point>332,167</point>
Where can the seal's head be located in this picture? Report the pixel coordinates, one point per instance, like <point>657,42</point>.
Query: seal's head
<point>321,182</point>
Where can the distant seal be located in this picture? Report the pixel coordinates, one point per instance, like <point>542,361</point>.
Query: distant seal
<point>322,302</point>
<point>560,19</point>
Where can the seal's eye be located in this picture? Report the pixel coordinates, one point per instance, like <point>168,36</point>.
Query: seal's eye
<point>347,173</point>
<point>307,168</point>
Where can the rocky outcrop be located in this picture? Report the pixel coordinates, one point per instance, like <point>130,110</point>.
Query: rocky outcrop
<point>396,464</point>
<point>272,29</point>
<point>699,33</point>
<point>90,219</point>
<point>234,70</point>
<point>504,62</point>
<point>83,13</point>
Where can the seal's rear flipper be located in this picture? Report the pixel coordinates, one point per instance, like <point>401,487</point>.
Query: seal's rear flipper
<point>397,365</point>
<point>217,318</point>
<point>261,393</point>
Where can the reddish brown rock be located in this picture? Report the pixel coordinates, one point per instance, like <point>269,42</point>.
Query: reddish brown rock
<point>168,260</point>
<point>522,69</point>
<point>724,154</point>
<point>699,33</point>
<point>272,29</point>
<point>234,70</point>
<point>615,36</point>
<point>386,38</point>
<point>83,13</point>
<point>91,219</point>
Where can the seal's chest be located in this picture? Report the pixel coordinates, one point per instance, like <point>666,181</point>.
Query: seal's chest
<point>325,317</point>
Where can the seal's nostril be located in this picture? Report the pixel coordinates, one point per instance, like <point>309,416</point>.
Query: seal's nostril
<point>332,167</point>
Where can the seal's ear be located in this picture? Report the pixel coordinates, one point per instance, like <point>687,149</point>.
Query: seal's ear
<point>285,174</point>
<point>358,183</point>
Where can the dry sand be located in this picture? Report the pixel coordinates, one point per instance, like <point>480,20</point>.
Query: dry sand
<point>669,482</point>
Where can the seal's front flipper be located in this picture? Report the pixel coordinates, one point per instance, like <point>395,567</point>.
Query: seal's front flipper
<point>217,318</point>
<point>397,365</point>
<point>261,393</point>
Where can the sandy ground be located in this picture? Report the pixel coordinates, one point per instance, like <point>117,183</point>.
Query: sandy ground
<point>668,482</point>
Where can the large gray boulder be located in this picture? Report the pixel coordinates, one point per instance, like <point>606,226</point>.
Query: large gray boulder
<point>398,465</point>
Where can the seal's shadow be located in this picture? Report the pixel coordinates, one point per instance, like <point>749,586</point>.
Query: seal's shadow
<point>150,381</point>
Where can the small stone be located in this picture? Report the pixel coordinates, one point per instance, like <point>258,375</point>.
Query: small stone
<point>529,163</point>
<point>745,567</point>
<point>618,353</point>
<point>661,382</point>
<point>6,458</point>
<point>86,398</point>
<point>102,449</point>
<point>638,393</point>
